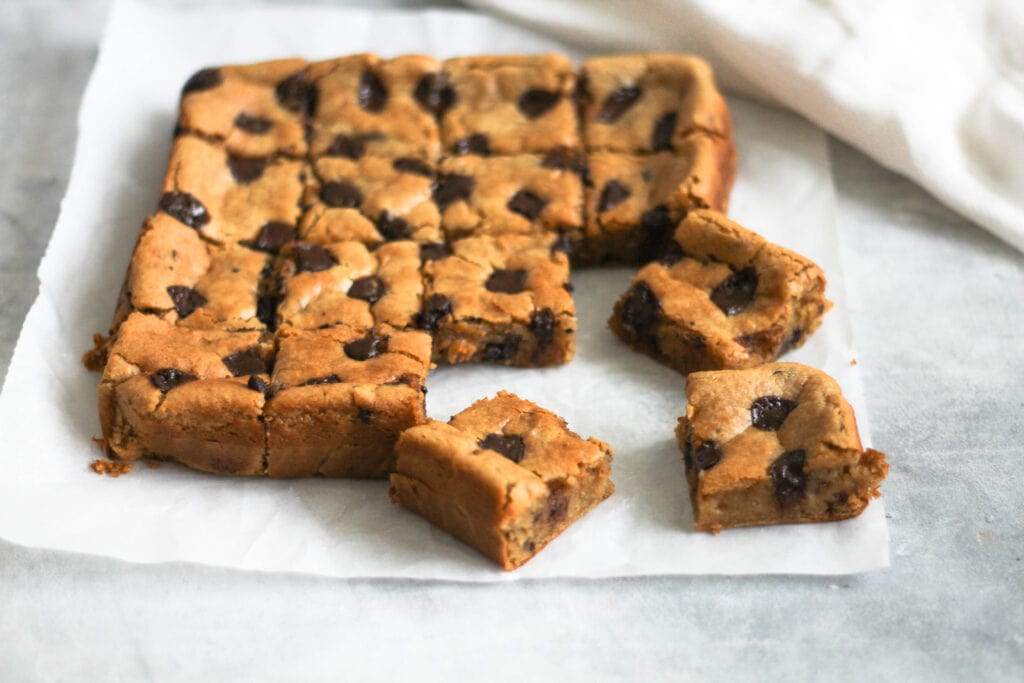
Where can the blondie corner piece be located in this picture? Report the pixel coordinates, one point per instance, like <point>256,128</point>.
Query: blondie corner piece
<point>724,298</point>
<point>774,444</point>
<point>505,476</point>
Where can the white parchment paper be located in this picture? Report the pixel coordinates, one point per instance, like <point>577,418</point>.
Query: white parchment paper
<point>49,497</point>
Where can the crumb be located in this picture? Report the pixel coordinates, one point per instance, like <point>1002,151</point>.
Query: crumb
<point>95,358</point>
<point>112,468</point>
<point>153,464</point>
<point>853,361</point>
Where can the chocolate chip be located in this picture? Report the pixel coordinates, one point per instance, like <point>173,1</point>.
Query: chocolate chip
<point>613,194</point>
<point>640,309</point>
<point>393,227</point>
<point>535,102</point>
<point>452,188</point>
<point>561,244</point>
<point>266,310</point>
<point>527,204</point>
<point>347,146</point>
<point>563,159</point>
<point>736,291</point>
<point>257,383</point>
<point>664,129</point>
<point>365,415</point>
<point>512,447</point>
<point>367,347</point>
<point>166,379</point>
<point>503,350</point>
<point>656,226</point>
<point>506,281</point>
<point>557,505</point>
<point>296,94</point>
<point>273,236</point>
<point>326,379</point>
<point>340,194</point>
<point>246,362</point>
<point>255,125</point>
<point>370,289</point>
<point>185,299</point>
<point>707,455</point>
<point>246,170</point>
<point>312,258</point>
<point>792,341</point>
<point>434,94</point>
<point>789,478</point>
<point>477,143</point>
<point>617,104</point>
<point>542,324</point>
<point>769,412</point>
<point>435,307</point>
<point>185,208</point>
<point>372,92</point>
<point>412,165</point>
<point>433,251</point>
<point>204,79</point>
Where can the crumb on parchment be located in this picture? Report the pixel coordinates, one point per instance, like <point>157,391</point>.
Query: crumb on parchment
<point>111,468</point>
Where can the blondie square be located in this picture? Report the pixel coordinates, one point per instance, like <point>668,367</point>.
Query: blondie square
<point>772,445</point>
<point>725,299</point>
<point>505,476</point>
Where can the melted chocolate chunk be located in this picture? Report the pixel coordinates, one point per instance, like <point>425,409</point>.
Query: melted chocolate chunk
<point>186,300</point>
<point>266,310</point>
<point>542,324</point>
<point>297,95</point>
<point>435,307</point>
<point>706,455</point>
<point>617,104</point>
<point>434,94</point>
<point>312,258</point>
<point>535,103</point>
<point>789,478</point>
<point>185,208</point>
<point>527,204</point>
<point>254,125</point>
<point>273,236</point>
<point>166,379</point>
<point>341,194</point>
<point>656,225</point>
<point>769,412</point>
<point>557,505</point>
<point>246,170</point>
<point>640,310</point>
<point>370,289</point>
<point>373,94</point>
<point>257,383</point>
<point>565,160</point>
<point>326,379</point>
<point>506,281</point>
<point>613,194</point>
<point>452,188</point>
<point>503,350</point>
<point>671,254</point>
<point>367,347</point>
<point>736,291</point>
<point>512,447</point>
<point>433,251</point>
<point>347,146</point>
<point>412,165</point>
<point>393,227</point>
<point>792,342</point>
<point>204,79</point>
<point>246,362</point>
<point>661,136</point>
<point>477,143</point>
<point>365,415</point>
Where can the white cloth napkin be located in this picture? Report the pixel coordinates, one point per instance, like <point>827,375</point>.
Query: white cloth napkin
<point>930,88</point>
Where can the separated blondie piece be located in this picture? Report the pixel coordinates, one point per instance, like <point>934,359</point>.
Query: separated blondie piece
<point>192,396</point>
<point>523,194</point>
<point>634,202</point>
<point>368,105</point>
<point>511,104</point>
<point>255,110</point>
<point>339,398</point>
<point>505,476</point>
<point>773,445</point>
<point>371,200</point>
<point>500,299</point>
<point>229,199</point>
<point>642,103</point>
<point>726,299</point>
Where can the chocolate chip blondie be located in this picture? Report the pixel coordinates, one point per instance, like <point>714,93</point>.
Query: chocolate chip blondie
<point>723,298</point>
<point>772,445</point>
<point>505,476</point>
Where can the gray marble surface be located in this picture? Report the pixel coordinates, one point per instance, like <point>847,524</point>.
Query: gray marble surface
<point>938,312</point>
